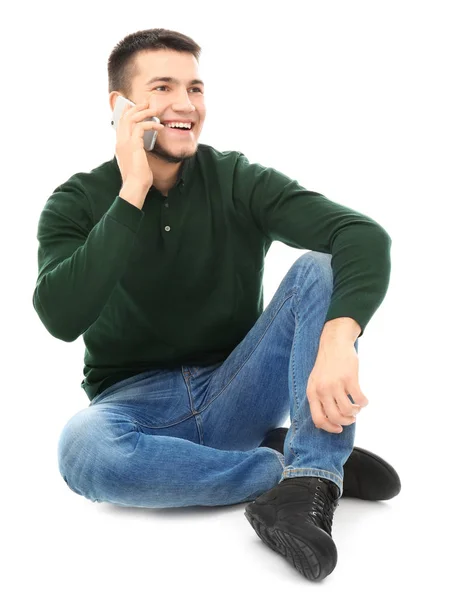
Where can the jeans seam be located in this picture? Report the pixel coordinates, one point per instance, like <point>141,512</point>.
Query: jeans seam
<point>199,425</point>
<point>188,387</point>
<point>294,424</point>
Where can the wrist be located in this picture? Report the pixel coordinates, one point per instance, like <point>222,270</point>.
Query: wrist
<point>133,193</point>
<point>342,329</point>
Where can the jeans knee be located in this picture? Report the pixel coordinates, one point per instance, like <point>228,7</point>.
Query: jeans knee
<point>73,448</point>
<point>320,263</point>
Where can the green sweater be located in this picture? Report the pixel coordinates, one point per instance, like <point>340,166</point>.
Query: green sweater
<point>179,282</point>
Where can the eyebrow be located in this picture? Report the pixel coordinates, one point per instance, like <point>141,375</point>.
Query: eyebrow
<point>172,80</point>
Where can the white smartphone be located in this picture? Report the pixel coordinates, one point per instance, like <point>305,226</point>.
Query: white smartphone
<point>149,137</point>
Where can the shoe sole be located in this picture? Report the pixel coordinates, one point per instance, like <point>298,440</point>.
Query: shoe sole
<point>297,552</point>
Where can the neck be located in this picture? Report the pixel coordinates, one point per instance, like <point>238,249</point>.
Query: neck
<point>165,174</point>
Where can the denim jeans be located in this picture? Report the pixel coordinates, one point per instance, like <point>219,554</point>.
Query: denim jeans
<point>189,435</point>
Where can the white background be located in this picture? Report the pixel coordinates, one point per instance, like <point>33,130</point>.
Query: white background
<point>368,85</point>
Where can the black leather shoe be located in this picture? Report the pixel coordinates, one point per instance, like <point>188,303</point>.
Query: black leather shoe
<point>295,519</point>
<point>366,475</point>
<point>369,477</point>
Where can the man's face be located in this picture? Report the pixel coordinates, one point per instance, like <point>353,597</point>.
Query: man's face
<point>175,100</point>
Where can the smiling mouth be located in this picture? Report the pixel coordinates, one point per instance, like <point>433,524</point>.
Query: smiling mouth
<point>179,131</point>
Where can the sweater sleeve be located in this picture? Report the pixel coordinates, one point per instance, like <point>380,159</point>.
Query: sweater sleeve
<point>287,212</point>
<point>79,263</point>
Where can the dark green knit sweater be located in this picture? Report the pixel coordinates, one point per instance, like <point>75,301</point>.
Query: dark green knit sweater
<point>180,281</point>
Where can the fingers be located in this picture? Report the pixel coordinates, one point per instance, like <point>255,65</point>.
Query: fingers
<point>319,417</point>
<point>346,407</point>
<point>141,112</point>
<point>142,120</point>
<point>138,112</point>
<point>125,125</point>
<point>136,120</point>
<point>139,128</point>
<point>357,396</point>
<point>330,413</point>
<point>134,108</point>
<point>333,412</point>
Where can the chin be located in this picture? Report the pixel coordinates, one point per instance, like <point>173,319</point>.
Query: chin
<point>178,155</point>
<point>169,157</point>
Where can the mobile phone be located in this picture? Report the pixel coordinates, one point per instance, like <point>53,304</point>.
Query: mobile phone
<point>149,137</point>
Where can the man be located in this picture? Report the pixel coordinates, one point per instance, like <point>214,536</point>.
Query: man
<point>156,258</point>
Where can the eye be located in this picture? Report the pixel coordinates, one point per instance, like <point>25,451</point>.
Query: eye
<point>166,86</point>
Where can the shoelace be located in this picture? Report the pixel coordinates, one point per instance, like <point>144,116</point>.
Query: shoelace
<point>323,506</point>
<point>320,508</point>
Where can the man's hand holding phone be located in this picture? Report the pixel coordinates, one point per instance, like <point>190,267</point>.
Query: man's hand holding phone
<point>130,152</point>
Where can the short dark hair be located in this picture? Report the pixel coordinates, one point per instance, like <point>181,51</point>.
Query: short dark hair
<point>121,66</point>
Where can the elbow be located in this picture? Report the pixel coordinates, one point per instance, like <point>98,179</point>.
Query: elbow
<point>386,235</point>
<point>375,231</point>
<point>54,325</point>
<point>387,241</point>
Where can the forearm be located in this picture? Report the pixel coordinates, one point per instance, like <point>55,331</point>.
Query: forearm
<point>78,273</point>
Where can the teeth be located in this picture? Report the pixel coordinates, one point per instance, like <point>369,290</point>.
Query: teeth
<point>176,124</point>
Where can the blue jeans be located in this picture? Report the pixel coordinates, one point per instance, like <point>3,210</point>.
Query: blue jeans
<point>189,435</point>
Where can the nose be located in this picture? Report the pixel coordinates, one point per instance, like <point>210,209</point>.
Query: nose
<point>185,104</point>
<point>184,111</point>
<point>185,107</point>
